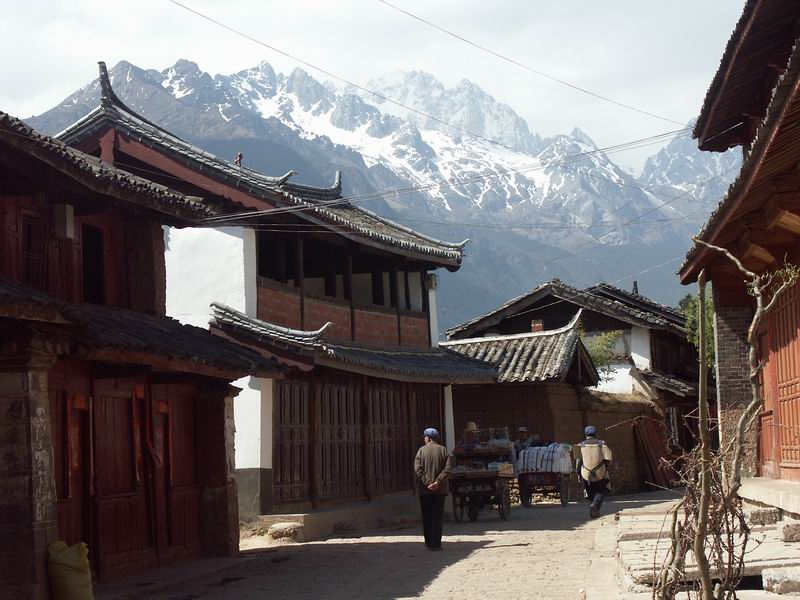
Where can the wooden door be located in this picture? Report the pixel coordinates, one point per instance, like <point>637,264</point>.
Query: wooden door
<point>785,359</point>
<point>389,435</point>
<point>339,453</point>
<point>184,488</point>
<point>125,541</point>
<point>71,443</point>
<point>292,442</point>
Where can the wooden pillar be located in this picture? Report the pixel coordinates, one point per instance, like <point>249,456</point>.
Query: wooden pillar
<point>108,143</point>
<point>414,434</point>
<point>301,284</point>
<point>393,288</point>
<point>425,303</point>
<point>369,454</point>
<point>315,453</point>
<point>348,292</point>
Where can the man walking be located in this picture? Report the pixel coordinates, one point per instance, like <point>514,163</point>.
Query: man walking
<point>594,458</point>
<point>431,466</point>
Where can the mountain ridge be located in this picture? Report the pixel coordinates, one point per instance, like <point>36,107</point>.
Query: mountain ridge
<point>532,205</point>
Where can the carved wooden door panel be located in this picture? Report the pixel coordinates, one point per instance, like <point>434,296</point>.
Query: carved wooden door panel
<point>340,456</point>
<point>389,435</point>
<point>786,359</point>
<point>292,442</point>
<point>123,515</point>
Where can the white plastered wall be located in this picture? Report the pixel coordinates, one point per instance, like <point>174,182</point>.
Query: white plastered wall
<point>219,265</point>
<point>636,346</point>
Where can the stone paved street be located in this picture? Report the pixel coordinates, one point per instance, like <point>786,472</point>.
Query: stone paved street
<point>547,553</point>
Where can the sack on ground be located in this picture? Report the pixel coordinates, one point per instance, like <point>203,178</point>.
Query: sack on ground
<point>69,571</point>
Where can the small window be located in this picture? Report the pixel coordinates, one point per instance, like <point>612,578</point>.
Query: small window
<point>33,243</point>
<point>94,290</point>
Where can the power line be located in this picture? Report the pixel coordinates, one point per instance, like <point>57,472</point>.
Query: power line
<point>526,67</point>
<point>325,71</point>
<point>458,182</point>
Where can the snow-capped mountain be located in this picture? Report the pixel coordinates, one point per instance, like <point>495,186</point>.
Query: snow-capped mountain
<point>535,208</point>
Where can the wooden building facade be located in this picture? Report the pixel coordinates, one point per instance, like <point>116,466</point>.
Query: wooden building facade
<point>311,272</point>
<point>753,102</point>
<point>116,422</point>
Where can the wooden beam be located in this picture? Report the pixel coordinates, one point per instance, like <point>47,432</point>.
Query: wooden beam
<point>779,217</point>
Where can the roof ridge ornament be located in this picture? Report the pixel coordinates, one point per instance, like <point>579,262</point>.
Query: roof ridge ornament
<point>284,178</point>
<point>107,95</point>
<point>337,181</point>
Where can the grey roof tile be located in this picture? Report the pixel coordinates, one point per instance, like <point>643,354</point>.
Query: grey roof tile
<point>99,176</point>
<point>101,327</point>
<point>435,364</point>
<point>527,357</point>
<point>586,299</point>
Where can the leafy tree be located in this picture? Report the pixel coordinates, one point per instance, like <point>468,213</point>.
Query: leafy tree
<point>689,306</point>
<point>602,349</point>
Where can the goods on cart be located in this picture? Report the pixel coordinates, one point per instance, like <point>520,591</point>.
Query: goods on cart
<point>482,474</point>
<point>545,470</point>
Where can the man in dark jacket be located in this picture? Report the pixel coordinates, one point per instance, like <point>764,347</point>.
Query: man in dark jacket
<point>431,466</point>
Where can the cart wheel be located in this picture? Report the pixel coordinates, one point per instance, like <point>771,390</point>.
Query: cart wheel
<point>458,508</point>
<point>525,494</point>
<point>564,490</point>
<point>472,512</point>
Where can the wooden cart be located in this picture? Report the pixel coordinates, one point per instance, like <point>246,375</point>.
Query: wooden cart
<point>553,484</point>
<point>473,491</point>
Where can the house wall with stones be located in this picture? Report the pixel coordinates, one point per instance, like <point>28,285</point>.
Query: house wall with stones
<point>732,316</point>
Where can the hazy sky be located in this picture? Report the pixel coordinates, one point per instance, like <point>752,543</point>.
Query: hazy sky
<point>659,56</point>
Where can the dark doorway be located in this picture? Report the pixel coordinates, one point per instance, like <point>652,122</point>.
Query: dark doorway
<point>93,267</point>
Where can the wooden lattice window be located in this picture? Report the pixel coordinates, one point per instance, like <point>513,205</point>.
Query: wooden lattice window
<point>33,251</point>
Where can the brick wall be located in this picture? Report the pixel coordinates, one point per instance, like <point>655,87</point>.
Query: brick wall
<point>376,328</point>
<point>414,331</point>
<point>318,312</point>
<point>278,305</point>
<point>731,321</point>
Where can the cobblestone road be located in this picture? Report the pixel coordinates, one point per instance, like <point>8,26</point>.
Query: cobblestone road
<point>548,552</point>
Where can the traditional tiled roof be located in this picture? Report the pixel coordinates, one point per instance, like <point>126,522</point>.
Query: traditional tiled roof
<point>763,38</point>
<point>530,357</point>
<point>432,365</point>
<point>640,302</point>
<point>322,206</point>
<point>100,327</point>
<point>783,95</point>
<point>669,383</point>
<point>98,176</point>
<point>642,317</point>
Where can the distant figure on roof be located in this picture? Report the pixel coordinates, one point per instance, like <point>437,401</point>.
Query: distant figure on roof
<point>238,160</point>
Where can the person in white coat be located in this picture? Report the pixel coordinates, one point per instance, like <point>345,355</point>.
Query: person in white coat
<point>594,458</point>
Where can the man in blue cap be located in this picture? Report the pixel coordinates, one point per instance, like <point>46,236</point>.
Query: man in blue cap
<point>431,466</point>
<point>594,458</point>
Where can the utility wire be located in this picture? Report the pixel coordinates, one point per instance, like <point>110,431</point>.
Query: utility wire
<point>325,71</point>
<point>526,67</point>
<point>452,183</point>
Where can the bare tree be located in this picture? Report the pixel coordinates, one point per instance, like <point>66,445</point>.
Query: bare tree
<point>709,521</point>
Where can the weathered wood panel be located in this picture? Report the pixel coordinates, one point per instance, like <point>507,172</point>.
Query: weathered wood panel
<point>341,468</point>
<point>292,442</point>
